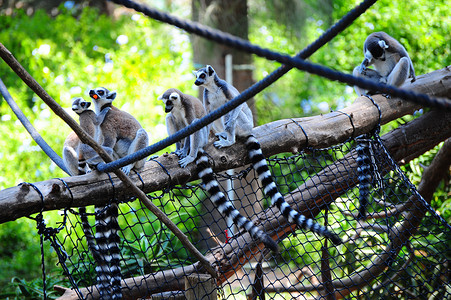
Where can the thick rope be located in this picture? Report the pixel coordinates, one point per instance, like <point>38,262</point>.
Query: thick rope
<point>31,130</point>
<point>244,96</point>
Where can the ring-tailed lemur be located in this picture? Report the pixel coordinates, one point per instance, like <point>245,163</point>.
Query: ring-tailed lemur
<point>120,131</point>
<point>392,64</point>
<point>122,135</point>
<point>183,110</point>
<point>73,152</point>
<point>239,122</point>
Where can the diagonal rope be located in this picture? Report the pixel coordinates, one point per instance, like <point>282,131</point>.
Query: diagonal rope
<point>31,130</point>
<point>333,31</point>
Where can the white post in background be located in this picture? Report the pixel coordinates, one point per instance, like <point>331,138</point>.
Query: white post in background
<point>229,186</point>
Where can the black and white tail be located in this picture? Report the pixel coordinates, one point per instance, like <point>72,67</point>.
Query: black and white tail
<point>108,257</point>
<point>270,189</point>
<point>224,206</point>
<point>364,175</point>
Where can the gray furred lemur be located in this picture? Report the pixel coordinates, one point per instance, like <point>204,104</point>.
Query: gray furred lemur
<point>239,122</point>
<point>74,151</point>
<point>392,64</point>
<point>121,133</point>
<point>75,154</point>
<point>183,110</point>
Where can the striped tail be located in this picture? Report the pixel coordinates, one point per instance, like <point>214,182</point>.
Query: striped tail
<point>108,267</point>
<point>270,189</point>
<point>115,252</point>
<point>92,245</point>
<point>225,207</point>
<point>364,175</point>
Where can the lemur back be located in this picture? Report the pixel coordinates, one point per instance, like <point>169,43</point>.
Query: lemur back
<point>182,110</point>
<point>240,122</point>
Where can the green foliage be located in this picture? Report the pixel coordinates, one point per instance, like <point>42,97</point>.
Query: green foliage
<point>21,257</point>
<point>33,289</point>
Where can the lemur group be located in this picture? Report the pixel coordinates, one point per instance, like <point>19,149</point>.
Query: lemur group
<point>120,134</point>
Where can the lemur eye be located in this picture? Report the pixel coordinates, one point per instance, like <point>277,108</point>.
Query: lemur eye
<point>202,76</point>
<point>101,93</point>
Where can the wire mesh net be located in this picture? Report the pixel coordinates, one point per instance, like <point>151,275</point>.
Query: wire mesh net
<point>400,250</point>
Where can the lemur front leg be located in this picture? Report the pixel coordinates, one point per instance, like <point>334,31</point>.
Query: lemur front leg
<point>363,72</point>
<point>228,137</point>
<point>400,72</point>
<point>141,141</point>
<point>195,142</point>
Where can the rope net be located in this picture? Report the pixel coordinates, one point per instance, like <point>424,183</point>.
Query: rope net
<point>397,251</point>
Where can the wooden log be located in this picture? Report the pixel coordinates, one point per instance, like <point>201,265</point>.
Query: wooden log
<point>276,137</point>
<point>200,286</point>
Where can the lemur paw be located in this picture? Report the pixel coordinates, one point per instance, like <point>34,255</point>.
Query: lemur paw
<point>186,161</point>
<point>127,169</point>
<point>179,153</point>
<point>222,144</point>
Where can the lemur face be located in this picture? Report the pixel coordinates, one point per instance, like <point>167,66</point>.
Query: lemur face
<point>170,99</point>
<point>374,50</point>
<point>79,105</point>
<point>102,94</point>
<point>203,75</point>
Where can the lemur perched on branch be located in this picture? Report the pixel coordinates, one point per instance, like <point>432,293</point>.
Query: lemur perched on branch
<point>75,152</point>
<point>120,134</point>
<point>392,64</point>
<point>183,110</point>
<point>239,122</point>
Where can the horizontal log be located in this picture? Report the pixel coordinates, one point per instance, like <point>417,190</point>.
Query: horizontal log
<point>276,137</point>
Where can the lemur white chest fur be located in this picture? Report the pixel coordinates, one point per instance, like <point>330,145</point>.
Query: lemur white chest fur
<point>74,151</point>
<point>239,121</point>
<point>385,67</point>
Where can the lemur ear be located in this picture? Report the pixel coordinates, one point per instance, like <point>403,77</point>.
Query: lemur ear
<point>194,73</point>
<point>111,95</point>
<point>383,44</point>
<point>210,70</point>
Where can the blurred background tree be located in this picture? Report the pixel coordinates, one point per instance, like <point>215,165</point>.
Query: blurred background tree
<point>72,46</point>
